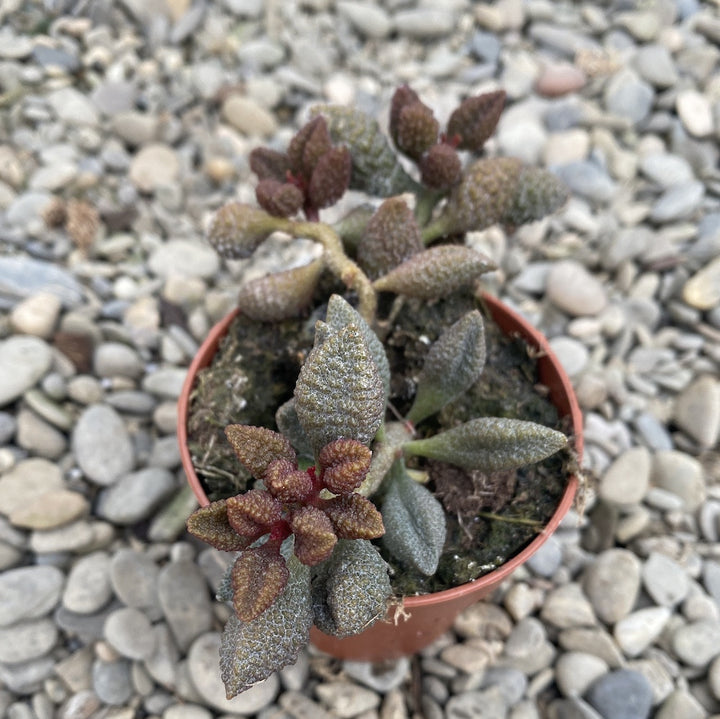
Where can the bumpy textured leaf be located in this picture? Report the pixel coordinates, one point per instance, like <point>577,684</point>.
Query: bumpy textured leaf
<point>286,482</point>
<point>341,313</point>
<point>437,272</point>
<point>344,462</point>
<point>252,651</point>
<point>452,365</point>
<point>351,589</point>
<point>417,129</point>
<point>212,526</point>
<point>281,199</point>
<point>237,229</point>
<point>253,513</point>
<point>392,236</point>
<point>281,295</point>
<point>256,447</point>
<point>490,444</point>
<point>307,146</point>
<point>440,167</point>
<point>258,578</point>
<point>289,425</point>
<point>376,169</point>
<point>385,453</point>
<point>330,178</point>
<point>315,537</point>
<point>475,119</point>
<point>354,517</point>
<point>339,392</point>
<point>403,96</point>
<point>538,193</point>
<point>414,522</point>
<point>269,164</point>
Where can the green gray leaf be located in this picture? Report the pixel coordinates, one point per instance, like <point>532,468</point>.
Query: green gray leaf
<point>339,392</point>
<point>452,365</point>
<point>351,589</point>
<point>252,651</point>
<point>414,522</point>
<point>289,425</point>
<point>490,444</point>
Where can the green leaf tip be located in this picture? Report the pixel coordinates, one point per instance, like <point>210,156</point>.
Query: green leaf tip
<point>490,444</point>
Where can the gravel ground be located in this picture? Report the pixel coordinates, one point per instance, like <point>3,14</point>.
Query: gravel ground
<point>124,125</point>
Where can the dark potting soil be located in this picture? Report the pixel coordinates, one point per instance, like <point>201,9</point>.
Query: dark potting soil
<point>490,517</point>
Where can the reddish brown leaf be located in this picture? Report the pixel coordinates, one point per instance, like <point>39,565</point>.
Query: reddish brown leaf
<point>475,119</point>
<point>258,577</point>
<point>354,517</point>
<point>440,167</point>
<point>330,178</point>
<point>402,97</point>
<point>314,535</point>
<point>281,199</point>
<point>284,481</point>
<point>256,447</point>
<point>212,526</point>
<point>345,462</point>
<point>417,130</point>
<point>253,513</point>
<point>269,164</point>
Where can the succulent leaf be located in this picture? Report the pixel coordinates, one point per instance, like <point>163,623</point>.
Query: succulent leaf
<point>403,96</point>
<point>452,365</point>
<point>286,482</point>
<point>237,229</point>
<point>475,119</point>
<point>344,462</point>
<point>339,392</point>
<point>212,526</point>
<point>416,130</point>
<point>538,193</point>
<point>376,169</point>
<point>256,447</point>
<point>384,455</point>
<point>281,199</point>
<point>392,236</point>
<point>315,537</point>
<point>354,517</point>
<point>491,444</point>
<point>350,590</point>
<point>253,513</point>
<point>414,522</point>
<point>252,651</point>
<point>436,272</point>
<point>269,164</point>
<point>289,425</point>
<point>330,178</point>
<point>351,227</point>
<point>259,576</point>
<point>440,167</point>
<point>281,295</point>
<point>308,144</point>
<point>341,313</point>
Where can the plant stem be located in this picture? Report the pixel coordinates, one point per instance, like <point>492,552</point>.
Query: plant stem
<point>425,204</point>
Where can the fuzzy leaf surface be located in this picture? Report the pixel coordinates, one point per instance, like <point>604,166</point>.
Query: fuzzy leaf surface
<point>252,513</point>
<point>287,483</point>
<point>351,589</point>
<point>476,118</point>
<point>376,169</point>
<point>414,522</point>
<point>315,537</point>
<point>354,517</point>
<point>490,444</point>
<point>256,447</point>
<point>212,526</point>
<point>252,651</point>
<point>258,578</point>
<point>452,365</point>
<point>340,313</point>
<point>538,193</point>
<point>437,272</point>
<point>344,462</point>
<point>289,425</point>
<point>237,229</point>
<point>339,392</point>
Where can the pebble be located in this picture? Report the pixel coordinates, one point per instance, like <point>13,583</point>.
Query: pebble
<point>133,576</point>
<point>621,694</point>
<point>627,480</point>
<point>29,593</point>
<point>27,482</point>
<point>702,290</point>
<point>102,446</point>
<point>134,496</point>
<point>248,117</point>
<point>24,360</point>
<point>381,677</point>
<point>655,65</point>
<point>560,79</point>
<point>695,113</point>
<point>628,96</point>
<point>368,20</point>
<point>566,607</point>
<point>637,631</point>
<point>73,107</point>
<point>154,166</point>
<point>697,643</point>
<point>88,589</point>
<point>37,315</point>
<point>112,359</point>
<point>52,509</point>
<point>184,258</point>
<point>679,202</point>
<point>26,641</point>
<point>666,169</point>
<point>681,704</point>
<point>346,700</point>
<point>576,671</point>
<point>111,681</point>
<point>130,633</point>
<point>424,23</point>
<point>612,583</point>
<point>680,474</point>
<point>697,410</point>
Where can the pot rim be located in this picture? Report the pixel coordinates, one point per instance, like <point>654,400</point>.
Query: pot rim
<point>554,373</point>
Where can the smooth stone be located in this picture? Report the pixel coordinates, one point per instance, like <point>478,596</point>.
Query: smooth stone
<point>566,606</point>
<point>714,678</point>
<point>88,586</point>
<point>695,112</point>
<point>572,289</point>
<point>77,536</point>
<point>130,633</point>
<point>203,668</point>
<point>248,117</point>
<point>566,146</point>
<point>627,479</point>
<point>27,640</point>
<point>665,580</point>
<point>186,711</point>
<point>166,382</point>
<point>702,290</point>
<point>476,704</point>
<point>52,509</point>
<point>111,682</point>
<point>381,678</point>
<point>163,664</point>
<point>136,128</point>
<point>483,619</point>
<point>611,583</point>
<point>711,579</point>
<point>24,360</point>
<point>39,437</point>
<point>628,96</point>
<point>112,359</point>
<point>155,165</point>
<point>112,97</point>
<point>425,23</point>
<point>697,643</point>
<point>134,496</point>
<point>185,258</point>
<point>576,671</point>
<point>637,631</point>
<point>345,699</point>
<point>622,694</point>
<point>527,647</point>
<point>680,474</point>
<point>29,593</point>
<point>547,560</point>
<point>592,641</point>
<point>666,169</point>
<point>73,107</point>
<point>134,577</point>
<point>22,277</point>
<point>8,427</point>
<point>185,600</point>
<point>37,315</point>
<point>512,683</point>
<point>679,202</point>
<point>681,705</point>
<point>697,410</point>
<point>53,177</point>
<point>588,179</point>
<point>655,64</point>
<point>262,52</point>
<point>102,446</point>
<point>368,20</point>
<point>559,79</point>
<point>27,481</point>
<point>39,402</point>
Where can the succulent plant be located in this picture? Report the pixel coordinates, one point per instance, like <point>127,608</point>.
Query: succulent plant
<point>333,480</point>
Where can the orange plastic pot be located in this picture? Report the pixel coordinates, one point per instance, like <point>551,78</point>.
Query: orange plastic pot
<point>424,618</point>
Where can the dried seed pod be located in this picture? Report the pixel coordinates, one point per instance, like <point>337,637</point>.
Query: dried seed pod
<point>256,447</point>
<point>476,119</point>
<point>344,462</point>
<point>212,526</point>
<point>315,537</point>
<point>354,517</point>
<point>258,577</point>
<point>440,167</point>
<point>286,482</point>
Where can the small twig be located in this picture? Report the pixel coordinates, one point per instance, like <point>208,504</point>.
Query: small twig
<point>512,520</point>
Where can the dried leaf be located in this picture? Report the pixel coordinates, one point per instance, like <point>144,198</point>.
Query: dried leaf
<point>354,517</point>
<point>315,537</point>
<point>259,576</point>
<point>256,447</point>
<point>452,365</point>
<point>490,444</point>
<point>414,522</point>
<point>437,272</point>
<point>212,526</point>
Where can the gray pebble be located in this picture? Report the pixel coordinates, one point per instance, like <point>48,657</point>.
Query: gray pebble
<point>572,289</point>
<point>112,359</point>
<point>664,580</point>
<point>134,576</point>
<point>112,682</point>
<point>680,474</point>
<point>88,585</point>
<point>697,643</point>
<point>23,362</point>
<point>655,64</point>
<point>576,671</point>
<point>22,277</point>
<point>129,632</point>
<point>424,23</point>
<point>381,678</point>
<point>588,179</point>
<point>566,606</point>
<point>368,20</point>
<point>626,481</point>
<point>622,694</point>
<point>477,704</point>
<point>681,705</point>
<point>134,496</point>
<point>611,583</point>
<point>29,593</point>
<point>679,202</point>
<point>635,632</point>
<point>626,95</point>
<point>666,170</point>
<point>547,560</point>
<point>27,641</point>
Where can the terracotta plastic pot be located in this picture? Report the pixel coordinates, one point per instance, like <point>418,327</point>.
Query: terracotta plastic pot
<point>424,618</point>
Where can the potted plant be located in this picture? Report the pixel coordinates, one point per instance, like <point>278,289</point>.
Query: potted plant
<point>372,418</point>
